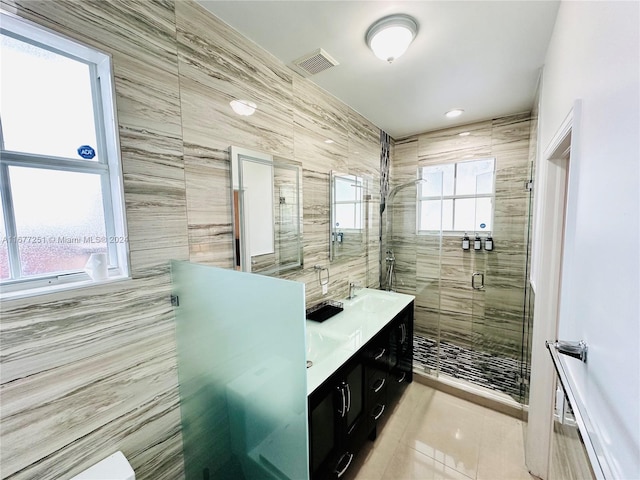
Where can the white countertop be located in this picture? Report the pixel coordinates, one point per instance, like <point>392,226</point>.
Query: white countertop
<point>334,341</point>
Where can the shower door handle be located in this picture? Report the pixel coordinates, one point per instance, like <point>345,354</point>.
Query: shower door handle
<point>474,285</point>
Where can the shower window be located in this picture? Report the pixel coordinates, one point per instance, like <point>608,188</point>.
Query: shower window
<point>457,197</point>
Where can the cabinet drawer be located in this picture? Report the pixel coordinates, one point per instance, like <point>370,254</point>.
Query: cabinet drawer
<point>376,358</point>
<point>377,383</point>
<point>378,410</point>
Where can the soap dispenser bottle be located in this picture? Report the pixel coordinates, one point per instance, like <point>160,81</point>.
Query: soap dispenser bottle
<point>477,243</point>
<point>465,241</point>
<point>488,243</point>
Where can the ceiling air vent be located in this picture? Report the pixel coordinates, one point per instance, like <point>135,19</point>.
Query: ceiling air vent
<point>314,62</point>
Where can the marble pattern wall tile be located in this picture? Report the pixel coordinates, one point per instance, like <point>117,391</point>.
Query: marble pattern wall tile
<point>218,65</point>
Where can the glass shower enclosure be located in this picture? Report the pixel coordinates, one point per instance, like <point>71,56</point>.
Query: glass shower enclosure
<point>469,320</point>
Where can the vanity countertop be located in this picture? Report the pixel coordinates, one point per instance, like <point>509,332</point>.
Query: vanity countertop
<point>331,343</point>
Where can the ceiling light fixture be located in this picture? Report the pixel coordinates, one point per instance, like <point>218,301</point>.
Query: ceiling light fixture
<point>328,140</point>
<point>454,113</point>
<point>390,36</point>
<point>243,107</point>
<point>464,134</point>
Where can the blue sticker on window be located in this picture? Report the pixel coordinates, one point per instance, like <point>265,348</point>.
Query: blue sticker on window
<point>483,225</point>
<point>86,151</point>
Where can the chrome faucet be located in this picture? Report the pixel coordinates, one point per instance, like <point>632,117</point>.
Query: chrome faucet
<point>353,286</point>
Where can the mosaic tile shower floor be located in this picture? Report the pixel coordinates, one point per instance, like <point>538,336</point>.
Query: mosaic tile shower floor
<point>480,368</point>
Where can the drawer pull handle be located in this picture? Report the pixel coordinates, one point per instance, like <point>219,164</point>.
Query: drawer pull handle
<point>376,417</point>
<point>402,377</point>
<point>343,410</point>
<point>341,472</point>
<point>348,398</point>
<point>379,356</point>
<point>380,385</point>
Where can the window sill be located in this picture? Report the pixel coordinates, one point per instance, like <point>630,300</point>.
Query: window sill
<point>59,288</point>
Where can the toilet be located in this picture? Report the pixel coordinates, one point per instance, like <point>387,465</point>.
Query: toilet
<point>114,467</point>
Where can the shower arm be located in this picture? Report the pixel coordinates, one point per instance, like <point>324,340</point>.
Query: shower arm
<point>391,195</point>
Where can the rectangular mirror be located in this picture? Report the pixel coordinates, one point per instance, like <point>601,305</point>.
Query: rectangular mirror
<point>267,213</point>
<point>348,215</point>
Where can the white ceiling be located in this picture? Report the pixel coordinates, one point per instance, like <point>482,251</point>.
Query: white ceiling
<point>481,56</point>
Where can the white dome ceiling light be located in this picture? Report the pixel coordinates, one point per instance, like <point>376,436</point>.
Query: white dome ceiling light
<point>390,36</point>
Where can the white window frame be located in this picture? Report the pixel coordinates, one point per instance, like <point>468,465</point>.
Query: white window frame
<point>108,165</point>
<point>454,197</point>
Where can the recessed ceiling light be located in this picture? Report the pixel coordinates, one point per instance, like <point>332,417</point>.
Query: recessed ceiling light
<point>464,134</point>
<point>454,113</point>
<point>390,36</point>
<point>243,107</point>
<point>328,140</point>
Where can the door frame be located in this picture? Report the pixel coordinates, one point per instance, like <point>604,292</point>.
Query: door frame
<point>554,183</point>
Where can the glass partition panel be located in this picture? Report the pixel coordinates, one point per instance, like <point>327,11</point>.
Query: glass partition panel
<point>242,372</point>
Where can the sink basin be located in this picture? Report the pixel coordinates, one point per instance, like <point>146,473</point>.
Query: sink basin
<point>320,345</point>
<point>372,302</point>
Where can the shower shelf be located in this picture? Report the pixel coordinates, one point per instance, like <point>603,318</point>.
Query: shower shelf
<point>324,310</point>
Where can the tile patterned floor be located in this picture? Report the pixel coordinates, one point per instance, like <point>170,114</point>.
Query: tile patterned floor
<point>480,368</point>
<point>432,435</point>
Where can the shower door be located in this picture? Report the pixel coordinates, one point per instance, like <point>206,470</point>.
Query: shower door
<point>498,286</point>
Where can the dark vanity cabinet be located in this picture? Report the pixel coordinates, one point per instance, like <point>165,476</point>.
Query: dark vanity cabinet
<point>401,352</point>
<point>337,421</point>
<point>350,405</point>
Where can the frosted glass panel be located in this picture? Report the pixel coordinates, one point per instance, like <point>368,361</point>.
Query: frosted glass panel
<point>242,371</point>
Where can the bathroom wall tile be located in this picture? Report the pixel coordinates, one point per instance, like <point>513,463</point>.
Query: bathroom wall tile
<point>319,117</point>
<point>364,148</point>
<point>218,65</point>
<point>405,156</point>
<point>209,121</point>
<point>85,363</point>
<point>156,211</point>
<point>153,261</point>
<point>446,145</point>
<point>316,217</point>
<point>426,324</point>
<point>96,394</point>
<point>209,212</point>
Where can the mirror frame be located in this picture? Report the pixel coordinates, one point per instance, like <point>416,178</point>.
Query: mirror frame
<point>240,227</point>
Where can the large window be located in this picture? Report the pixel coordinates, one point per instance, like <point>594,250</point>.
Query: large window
<point>60,179</point>
<point>457,197</point>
